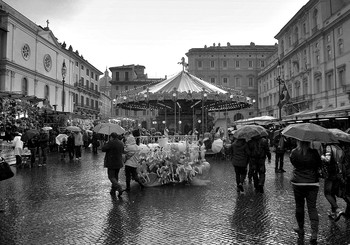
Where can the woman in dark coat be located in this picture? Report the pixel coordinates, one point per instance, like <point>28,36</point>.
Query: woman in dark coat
<point>306,162</point>
<point>113,161</point>
<point>240,158</point>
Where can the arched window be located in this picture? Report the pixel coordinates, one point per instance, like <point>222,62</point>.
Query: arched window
<point>25,86</point>
<point>47,92</point>
<point>237,117</point>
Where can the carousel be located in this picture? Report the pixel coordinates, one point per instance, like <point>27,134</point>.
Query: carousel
<point>182,102</point>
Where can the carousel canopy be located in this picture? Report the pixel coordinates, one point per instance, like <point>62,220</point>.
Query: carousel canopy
<point>187,91</point>
<point>184,82</point>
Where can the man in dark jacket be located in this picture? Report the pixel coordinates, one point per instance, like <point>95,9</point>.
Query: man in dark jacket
<point>113,161</point>
<point>259,151</point>
<point>279,143</point>
<point>240,157</point>
<point>43,141</point>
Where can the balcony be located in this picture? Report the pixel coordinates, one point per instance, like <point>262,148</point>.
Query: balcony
<point>302,98</point>
<point>82,106</point>
<point>87,89</point>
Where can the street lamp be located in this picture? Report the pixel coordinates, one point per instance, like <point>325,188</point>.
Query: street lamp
<point>174,97</point>
<point>64,73</point>
<point>203,99</point>
<point>280,81</point>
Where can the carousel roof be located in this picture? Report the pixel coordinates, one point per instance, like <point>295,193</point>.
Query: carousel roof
<point>187,90</point>
<point>184,82</point>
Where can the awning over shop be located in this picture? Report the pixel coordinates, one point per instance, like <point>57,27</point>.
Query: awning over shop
<point>331,112</point>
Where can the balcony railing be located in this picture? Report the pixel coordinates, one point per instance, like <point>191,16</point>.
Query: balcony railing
<point>87,89</point>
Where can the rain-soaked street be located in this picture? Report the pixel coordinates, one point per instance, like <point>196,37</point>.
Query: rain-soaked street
<point>69,203</point>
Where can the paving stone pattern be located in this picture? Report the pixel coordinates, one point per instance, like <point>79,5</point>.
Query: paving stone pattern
<point>69,203</point>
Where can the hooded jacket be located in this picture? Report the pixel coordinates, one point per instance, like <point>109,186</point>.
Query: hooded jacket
<point>240,153</point>
<point>131,152</point>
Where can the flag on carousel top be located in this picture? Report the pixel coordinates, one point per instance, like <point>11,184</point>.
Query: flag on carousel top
<point>284,96</point>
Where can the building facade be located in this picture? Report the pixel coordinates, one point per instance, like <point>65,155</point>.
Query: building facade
<point>33,62</point>
<point>314,54</point>
<point>231,66</point>
<point>129,79</point>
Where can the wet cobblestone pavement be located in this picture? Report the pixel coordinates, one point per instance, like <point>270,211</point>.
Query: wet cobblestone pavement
<point>69,203</point>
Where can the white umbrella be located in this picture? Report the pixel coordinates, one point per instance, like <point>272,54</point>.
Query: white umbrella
<point>60,138</point>
<point>47,128</point>
<point>109,128</point>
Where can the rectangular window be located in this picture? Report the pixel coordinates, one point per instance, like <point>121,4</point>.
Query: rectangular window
<point>237,82</point>
<point>96,105</point>
<point>82,100</point>
<point>87,72</point>
<point>212,80</point>
<point>92,74</point>
<point>341,77</point>
<point>224,63</point>
<point>76,64</point>
<point>96,88</point>
<point>250,82</point>
<point>96,77</point>
<point>87,101</point>
<point>199,64</point>
<point>126,76</point>
<point>237,63</point>
<point>117,76</point>
<point>212,64</point>
<point>250,63</point>
<point>318,85</point>
<point>329,83</point>
<point>82,67</point>
<point>224,81</point>
<point>82,81</point>
<point>262,63</point>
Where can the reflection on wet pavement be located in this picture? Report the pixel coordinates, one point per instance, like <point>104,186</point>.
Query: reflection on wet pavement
<point>69,203</point>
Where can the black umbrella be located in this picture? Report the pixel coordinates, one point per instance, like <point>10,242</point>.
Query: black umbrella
<point>29,134</point>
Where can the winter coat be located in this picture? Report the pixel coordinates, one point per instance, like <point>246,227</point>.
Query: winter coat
<point>78,139</point>
<point>43,140</point>
<point>240,153</point>
<point>114,151</point>
<point>305,166</point>
<point>259,149</point>
<point>131,152</point>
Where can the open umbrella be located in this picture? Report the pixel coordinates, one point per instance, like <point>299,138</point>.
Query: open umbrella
<point>47,128</point>
<point>60,137</point>
<point>109,128</point>
<point>73,128</point>
<point>29,134</point>
<point>340,135</point>
<point>309,132</point>
<point>246,132</point>
<point>261,130</point>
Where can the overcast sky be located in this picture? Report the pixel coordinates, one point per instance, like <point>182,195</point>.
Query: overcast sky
<point>156,33</point>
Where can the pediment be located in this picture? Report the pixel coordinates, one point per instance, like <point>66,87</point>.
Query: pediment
<point>48,35</point>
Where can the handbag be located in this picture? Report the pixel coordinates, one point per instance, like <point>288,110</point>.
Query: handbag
<point>5,170</point>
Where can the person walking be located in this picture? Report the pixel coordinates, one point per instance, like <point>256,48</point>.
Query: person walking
<point>78,142</point>
<point>70,145</point>
<point>258,153</point>
<point>131,150</point>
<point>43,141</point>
<point>279,143</point>
<point>113,161</point>
<point>240,158</point>
<point>306,163</point>
<point>32,145</point>
<point>95,143</point>
<point>17,144</point>
<point>332,160</point>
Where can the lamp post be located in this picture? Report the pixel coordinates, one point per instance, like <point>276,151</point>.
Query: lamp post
<point>64,72</point>
<point>203,100</point>
<point>174,97</point>
<point>179,116</point>
<point>280,81</point>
